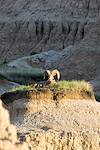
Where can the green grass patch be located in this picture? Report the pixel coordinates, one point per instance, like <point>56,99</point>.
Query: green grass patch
<point>22,88</point>
<point>61,90</point>
<point>73,85</point>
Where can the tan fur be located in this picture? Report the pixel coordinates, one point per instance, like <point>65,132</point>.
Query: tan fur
<point>50,80</point>
<point>51,76</point>
<point>56,73</point>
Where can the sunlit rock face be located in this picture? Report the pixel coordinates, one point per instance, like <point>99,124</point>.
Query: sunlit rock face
<point>27,26</point>
<point>8,135</point>
<point>68,124</point>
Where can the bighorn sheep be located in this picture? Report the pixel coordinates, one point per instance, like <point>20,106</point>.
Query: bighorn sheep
<point>49,77</point>
<point>53,76</point>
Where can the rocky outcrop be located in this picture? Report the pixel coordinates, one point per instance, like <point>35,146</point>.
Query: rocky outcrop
<point>27,26</point>
<point>43,124</point>
<point>8,135</point>
<point>68,125</point>
<point>54,139</point>
<point>47,93</point>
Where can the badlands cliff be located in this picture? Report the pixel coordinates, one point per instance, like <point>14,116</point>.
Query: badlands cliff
<point>64,34</point>
<point>27,26</point>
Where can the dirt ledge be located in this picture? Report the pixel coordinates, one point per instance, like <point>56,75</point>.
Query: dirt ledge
<point>45,94</point>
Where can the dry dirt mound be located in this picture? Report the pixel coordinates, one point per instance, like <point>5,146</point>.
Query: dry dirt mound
<point>48,94</point>
<point>49,121</point>
<point>68,125</point>
<point>8,135</point>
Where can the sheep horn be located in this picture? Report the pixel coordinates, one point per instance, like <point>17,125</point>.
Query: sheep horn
<point>47,74</point>
<point>56,73</point>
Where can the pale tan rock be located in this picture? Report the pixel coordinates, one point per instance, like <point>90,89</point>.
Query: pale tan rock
<point>8,134</point>
<point>69,124</point>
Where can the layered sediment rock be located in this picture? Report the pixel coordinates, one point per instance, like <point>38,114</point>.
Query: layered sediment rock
<point>27,26</point>
<point>66,125</point>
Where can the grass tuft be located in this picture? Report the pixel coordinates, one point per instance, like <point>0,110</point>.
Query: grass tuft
<point>22,88</point>
<point>73,85</point>
<point>63,89</point>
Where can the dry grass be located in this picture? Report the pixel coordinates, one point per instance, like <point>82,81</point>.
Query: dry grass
<point>75,85</point>
<point>63,89</point>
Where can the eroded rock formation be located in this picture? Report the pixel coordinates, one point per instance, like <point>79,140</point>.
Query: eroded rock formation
<point>27,26</point>
<point>8,135</point>
<point>68,125</point>
<point>35,26</point>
